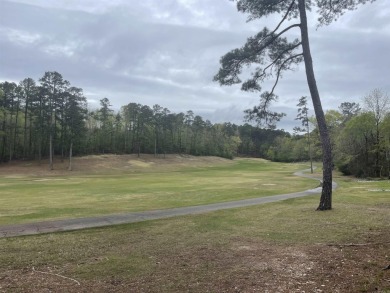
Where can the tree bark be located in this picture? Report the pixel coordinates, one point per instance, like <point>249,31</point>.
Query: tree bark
<point>25,128</point>
<point>10,147</point>
<point>310,155</point>
<point>51,152</point>
<point>15,138</point>
<point>326,195</point>
<point>51,149</point>
<point>155,146</point>
<point>70,156</point>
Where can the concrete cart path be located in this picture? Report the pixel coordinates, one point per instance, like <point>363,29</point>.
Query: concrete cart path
<point>107,220</point>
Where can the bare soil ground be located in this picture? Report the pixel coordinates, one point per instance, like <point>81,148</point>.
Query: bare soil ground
<point>245,265</point>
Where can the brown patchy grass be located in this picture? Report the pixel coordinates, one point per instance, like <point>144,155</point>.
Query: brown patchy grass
<point>95,164</point>
<point>242,265</point>
<point>117,184</point>
<point>278,247</point>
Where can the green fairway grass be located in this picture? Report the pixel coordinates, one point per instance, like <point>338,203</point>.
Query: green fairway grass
<point>36,198</point>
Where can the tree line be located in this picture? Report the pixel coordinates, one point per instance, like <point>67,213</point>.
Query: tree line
<point>50,117</point>
<point>40,120</point>
<point>360,137</point>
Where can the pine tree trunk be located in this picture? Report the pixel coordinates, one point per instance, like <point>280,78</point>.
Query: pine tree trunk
<point>15,139</point>
<point>25,129</point>
<point>51,152</point>
<point>70,156</point>
<point>30,135</point>
<point>3,147</point>
<point>310,154</point>
<point>326,195</point>
<point>155,146</point>
<point>388,163</point>
<point>51,143</point>
<point>10,147</point>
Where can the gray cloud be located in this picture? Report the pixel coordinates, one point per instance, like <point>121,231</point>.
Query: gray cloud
<point>166,52</point>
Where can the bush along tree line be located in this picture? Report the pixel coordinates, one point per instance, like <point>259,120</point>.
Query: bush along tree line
<point>40,120</point>
<point>360,137</point>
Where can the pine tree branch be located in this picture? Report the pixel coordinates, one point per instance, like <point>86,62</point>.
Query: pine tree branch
<point>277,59</point>
<point>284,17</point>
<point>280,70</point>
<point>280,23</point>
<point>276,36</point>
<point>233,67</point>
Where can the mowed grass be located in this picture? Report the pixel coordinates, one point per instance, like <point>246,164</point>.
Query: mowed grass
<point>33,198</point>
<point>171,255</point>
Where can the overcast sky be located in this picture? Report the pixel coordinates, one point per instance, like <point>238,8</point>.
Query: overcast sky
<point>166,52</point>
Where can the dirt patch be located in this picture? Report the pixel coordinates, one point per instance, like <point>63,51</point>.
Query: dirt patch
<point>105,164</point>
<point>50,179</point>
<point>244,265</point>
<point>140,163</point>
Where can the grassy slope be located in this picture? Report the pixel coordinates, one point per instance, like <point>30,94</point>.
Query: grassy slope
<point>36,198</point>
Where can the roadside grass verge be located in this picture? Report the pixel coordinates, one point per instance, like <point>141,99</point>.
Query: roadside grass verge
<point>218,251</point>
<point>37,198</point>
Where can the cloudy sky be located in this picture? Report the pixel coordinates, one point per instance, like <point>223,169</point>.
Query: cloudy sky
<point>166,52</point>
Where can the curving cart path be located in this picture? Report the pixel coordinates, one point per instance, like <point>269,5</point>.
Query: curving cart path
<point>107,220</point>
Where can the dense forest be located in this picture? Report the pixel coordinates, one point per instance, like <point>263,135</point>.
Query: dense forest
<point>50,117</point>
